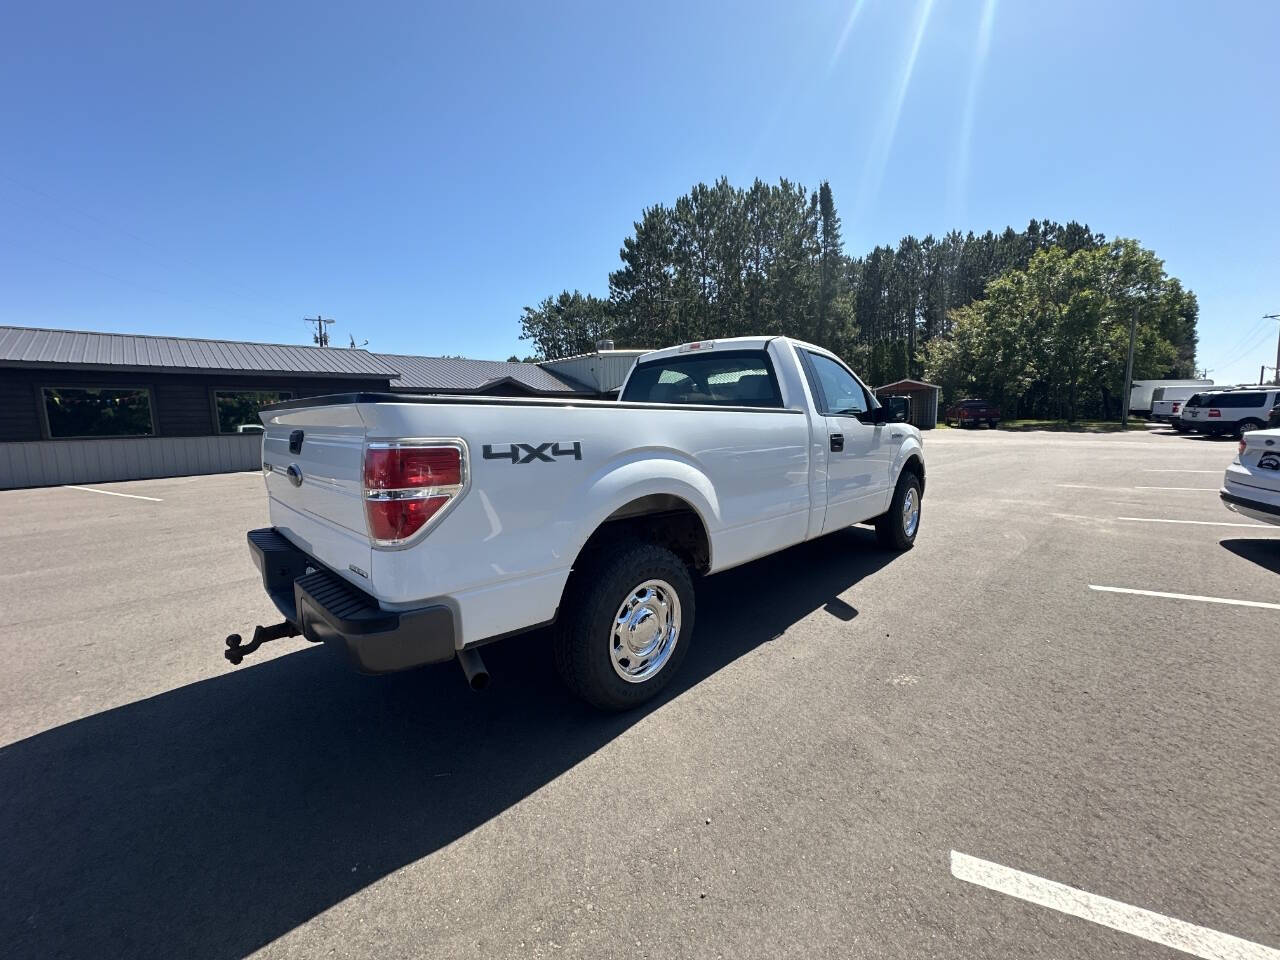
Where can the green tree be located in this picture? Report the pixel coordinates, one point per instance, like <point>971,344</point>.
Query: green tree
<point>569,324</point>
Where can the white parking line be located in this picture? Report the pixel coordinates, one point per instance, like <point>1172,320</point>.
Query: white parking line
<point>112,493</point>
<point>1175,470</point>
<point>1187,596</point>
<point>1147,924</point>
<point>1200,489</point>
<point>1200,523</point>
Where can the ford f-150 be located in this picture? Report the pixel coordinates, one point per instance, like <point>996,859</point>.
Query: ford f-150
<point>414,529</point>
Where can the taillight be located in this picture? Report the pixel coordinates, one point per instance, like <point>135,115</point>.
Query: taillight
<point>1176,406</point>
<point>408,484</point>
<point>1214,413</point>
<point>1240,449</point>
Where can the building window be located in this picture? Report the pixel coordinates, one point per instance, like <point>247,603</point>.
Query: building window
<point>98,412</point>
<point>237,410</point>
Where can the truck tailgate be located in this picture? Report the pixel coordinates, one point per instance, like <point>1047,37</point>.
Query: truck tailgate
<point>313,460</point>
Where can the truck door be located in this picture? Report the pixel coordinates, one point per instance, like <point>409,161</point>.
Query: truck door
<point>859,455</point>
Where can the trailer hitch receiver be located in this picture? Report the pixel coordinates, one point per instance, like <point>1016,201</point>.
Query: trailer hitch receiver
<point>237,649</point>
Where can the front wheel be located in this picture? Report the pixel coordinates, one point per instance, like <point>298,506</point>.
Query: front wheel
<point>897,529</point>
<point>626,625</point>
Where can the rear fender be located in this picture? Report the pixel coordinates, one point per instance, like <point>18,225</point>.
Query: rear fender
<point>643,473</point>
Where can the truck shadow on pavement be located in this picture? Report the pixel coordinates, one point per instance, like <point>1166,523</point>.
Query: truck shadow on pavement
<point>209,820</point>
<point>1264,552</point>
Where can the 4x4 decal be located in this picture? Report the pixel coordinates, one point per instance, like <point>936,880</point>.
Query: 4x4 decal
<point>529,452</point>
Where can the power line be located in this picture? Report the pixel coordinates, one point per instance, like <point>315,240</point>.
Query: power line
<point>1258,338</point>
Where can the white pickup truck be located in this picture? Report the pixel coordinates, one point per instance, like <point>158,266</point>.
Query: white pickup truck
<point>413,530</point>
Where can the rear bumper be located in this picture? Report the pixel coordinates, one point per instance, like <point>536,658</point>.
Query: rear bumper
<point>328,609</point>
<point>1250,504</point>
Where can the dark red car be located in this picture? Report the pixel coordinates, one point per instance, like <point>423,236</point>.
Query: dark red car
<point>972,413</point>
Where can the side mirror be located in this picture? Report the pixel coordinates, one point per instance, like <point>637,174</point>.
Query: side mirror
<point>897,409</point>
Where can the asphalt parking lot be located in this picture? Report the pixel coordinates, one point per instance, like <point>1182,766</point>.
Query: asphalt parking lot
<point>849,730</point>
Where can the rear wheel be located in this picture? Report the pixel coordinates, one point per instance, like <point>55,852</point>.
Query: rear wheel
<point>626,624</point>
<point>897,529</point>
<point>1247,425</point>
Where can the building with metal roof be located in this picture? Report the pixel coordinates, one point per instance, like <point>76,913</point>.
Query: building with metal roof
<point>84,350</point>
<point>491,377</point>
<point>86,407</point>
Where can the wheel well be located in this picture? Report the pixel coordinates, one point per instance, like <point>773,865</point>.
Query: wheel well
<point>915,465</point>
<point>659,518</point>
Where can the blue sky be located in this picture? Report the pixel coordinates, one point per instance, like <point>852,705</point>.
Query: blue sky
<point>422,172</point>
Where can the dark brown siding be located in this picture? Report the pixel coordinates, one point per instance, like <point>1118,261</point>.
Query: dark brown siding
<point>19,419</point>
<point>181,403</point>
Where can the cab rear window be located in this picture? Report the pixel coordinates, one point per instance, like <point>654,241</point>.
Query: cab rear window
<point>727,379</point>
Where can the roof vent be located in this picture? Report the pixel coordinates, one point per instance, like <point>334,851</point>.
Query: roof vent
<point>604,345</point>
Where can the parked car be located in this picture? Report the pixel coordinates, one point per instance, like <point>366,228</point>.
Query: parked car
<point>412,530</point>
<point>1166,411</point>
<point>1273,422</point>
<point>1234,411</point>
<point>1252,483</point>
<point>1167,401</point>
<point>1182,423</point>
<point>1143,393</point>
<point>972,413</point>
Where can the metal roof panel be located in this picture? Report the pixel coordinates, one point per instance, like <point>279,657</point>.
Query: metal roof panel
<point>42,347</point>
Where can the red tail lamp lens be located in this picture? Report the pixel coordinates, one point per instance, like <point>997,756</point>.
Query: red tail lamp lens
<point>403,468</point>
<point>400,519</point>
<point>406,485</point>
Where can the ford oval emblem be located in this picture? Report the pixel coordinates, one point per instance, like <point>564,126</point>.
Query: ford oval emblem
<point>294,473</point>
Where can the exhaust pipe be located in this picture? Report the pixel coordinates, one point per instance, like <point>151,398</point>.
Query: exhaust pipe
<point>474,668</point>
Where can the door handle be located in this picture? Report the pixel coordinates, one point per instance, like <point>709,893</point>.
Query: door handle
<point>837,442</point>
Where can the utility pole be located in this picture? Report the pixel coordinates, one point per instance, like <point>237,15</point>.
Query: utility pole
<point>356,346</point>
<point>1128,370</point>
<point>321,336</point>
<point>1274,316</point>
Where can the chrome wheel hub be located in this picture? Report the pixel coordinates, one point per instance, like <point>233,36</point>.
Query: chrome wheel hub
<point>910,512</point>
<point>645,630</point>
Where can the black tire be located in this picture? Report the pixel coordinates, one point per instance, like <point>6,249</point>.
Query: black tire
<point>891,532</point>
<point>991,424</point>
<point>1247,425</point>
<point>601,583</point>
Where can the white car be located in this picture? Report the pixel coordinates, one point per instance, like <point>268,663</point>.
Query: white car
<point>1166,411</point>
<point>1166,402</point>
<point>413,529</point>
<point>1252,484</point>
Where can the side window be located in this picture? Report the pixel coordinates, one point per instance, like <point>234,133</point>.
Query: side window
<point>1248,399</point>
<point>839,393</point>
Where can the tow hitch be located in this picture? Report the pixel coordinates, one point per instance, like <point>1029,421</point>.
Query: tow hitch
<point>237,649</point>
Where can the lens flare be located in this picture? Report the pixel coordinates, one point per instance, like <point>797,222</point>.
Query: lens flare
<point>960,181</point>
<point>838,52</point>
<point>878,156</point>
